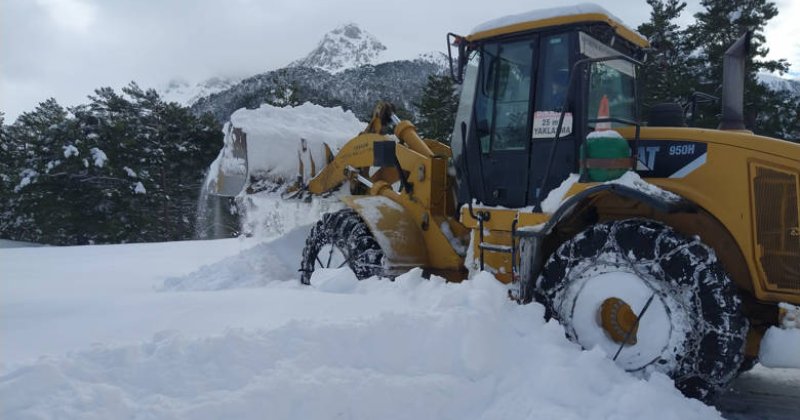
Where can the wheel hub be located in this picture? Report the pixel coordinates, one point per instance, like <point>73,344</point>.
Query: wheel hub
<point>603,307</point>
<point>330,256</point>
<point>618,321</point>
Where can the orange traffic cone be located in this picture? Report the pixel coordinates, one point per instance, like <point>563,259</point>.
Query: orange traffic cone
<point>602,112</point>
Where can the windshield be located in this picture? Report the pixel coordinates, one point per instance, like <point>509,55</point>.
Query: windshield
<point>612,83</point>
<point>609,84</point>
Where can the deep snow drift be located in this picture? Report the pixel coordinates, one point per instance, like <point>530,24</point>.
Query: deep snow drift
<point>130,331</point>
<point>217,329</point>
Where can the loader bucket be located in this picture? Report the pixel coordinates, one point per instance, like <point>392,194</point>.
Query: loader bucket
<point>231,174</point>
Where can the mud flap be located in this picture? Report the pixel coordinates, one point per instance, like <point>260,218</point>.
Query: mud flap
<point>395,231</point>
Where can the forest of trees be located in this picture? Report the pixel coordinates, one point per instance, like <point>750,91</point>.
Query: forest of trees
<point>688,60</point>
<point>122,168</point>
<point>127,167</point>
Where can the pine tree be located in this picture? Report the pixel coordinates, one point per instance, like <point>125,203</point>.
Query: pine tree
<point>48,194</point>
<point>717,27</point>
<point>123,168</point>
<point>7,151</point>
<point>437,108</point>
<point>781,117</point>
<point>666,75</point>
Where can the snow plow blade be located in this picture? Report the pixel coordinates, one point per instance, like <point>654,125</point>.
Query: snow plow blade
<point>395,231</point>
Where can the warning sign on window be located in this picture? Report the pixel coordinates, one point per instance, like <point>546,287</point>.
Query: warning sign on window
<point>545,124</point>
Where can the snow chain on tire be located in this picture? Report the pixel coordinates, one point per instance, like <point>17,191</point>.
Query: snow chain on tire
<point>682,271</point>
<point>346,231</point>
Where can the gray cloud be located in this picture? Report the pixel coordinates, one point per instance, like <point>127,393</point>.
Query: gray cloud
<point>67,48</point>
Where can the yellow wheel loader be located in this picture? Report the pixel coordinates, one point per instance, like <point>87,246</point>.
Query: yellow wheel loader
<point>668,247</point>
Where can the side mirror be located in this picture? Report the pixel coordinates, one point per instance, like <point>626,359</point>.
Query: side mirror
<point>457,72</point>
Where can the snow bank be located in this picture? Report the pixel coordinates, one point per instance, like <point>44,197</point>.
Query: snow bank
<point>274,133</point>
<point>780,348</point>
<point>280,258</point>
<point>7,243</point>
<point>454,351</point>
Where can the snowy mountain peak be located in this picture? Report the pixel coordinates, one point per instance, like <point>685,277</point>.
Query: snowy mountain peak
<point>345,47</point>
<point>185,93</point>
<point>778,83</point>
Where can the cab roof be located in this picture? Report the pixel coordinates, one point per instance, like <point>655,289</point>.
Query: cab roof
<point>558,16</point>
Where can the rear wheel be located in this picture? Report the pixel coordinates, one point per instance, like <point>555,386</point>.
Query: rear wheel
<point>652,300</point>
<point>341,239</point>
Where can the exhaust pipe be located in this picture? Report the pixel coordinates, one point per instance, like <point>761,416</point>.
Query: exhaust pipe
<point>733,76</point>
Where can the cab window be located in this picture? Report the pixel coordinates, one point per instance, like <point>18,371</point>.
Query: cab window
<point>503,100</point>
<point>554,73</point>
<point>612,81</point>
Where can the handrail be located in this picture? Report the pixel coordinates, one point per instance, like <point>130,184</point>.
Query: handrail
<point>578,66</point>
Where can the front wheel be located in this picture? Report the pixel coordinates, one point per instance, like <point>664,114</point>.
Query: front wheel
<point>652,299</point>
<point>341,239</point>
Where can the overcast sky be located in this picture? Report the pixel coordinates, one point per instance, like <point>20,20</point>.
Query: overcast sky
<point>67,48</point>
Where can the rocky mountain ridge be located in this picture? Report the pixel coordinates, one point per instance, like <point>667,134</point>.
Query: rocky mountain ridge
<point>779,83</point>
<point>342,71</point>
<point>183,92</point>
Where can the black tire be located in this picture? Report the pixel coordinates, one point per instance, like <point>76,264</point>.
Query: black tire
<point>344,232</point>
<point>691,292</point>
<point>748,364</point>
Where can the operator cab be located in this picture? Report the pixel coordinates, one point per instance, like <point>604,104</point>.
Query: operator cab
<point>516,90</point>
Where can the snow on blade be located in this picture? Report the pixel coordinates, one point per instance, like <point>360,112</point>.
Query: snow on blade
<point>267,214</point>
<point>274,133</point>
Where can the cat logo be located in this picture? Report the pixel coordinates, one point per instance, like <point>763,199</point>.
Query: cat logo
<point>795,231</point>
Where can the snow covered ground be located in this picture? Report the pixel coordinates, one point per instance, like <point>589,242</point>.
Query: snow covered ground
<point>222,329</point>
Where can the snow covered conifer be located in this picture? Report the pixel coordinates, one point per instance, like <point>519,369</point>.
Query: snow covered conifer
<point>717,27</point>
<point>122,168</point>
<point>666,75</point>
<point>437,108</point>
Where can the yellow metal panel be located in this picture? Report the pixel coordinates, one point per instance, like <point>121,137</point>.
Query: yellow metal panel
<point>395,230</point>
<point>497,231</point>
<point>356,153</point>
<point>439,149</point>
<point>397,224</point>
<point>787,283</point>
<point>722,185</point>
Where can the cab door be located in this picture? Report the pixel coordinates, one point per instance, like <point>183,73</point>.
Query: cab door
<point>555,62</point>
<point>502,123</point>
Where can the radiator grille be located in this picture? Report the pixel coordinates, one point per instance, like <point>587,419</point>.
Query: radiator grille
<point>777,228</point>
